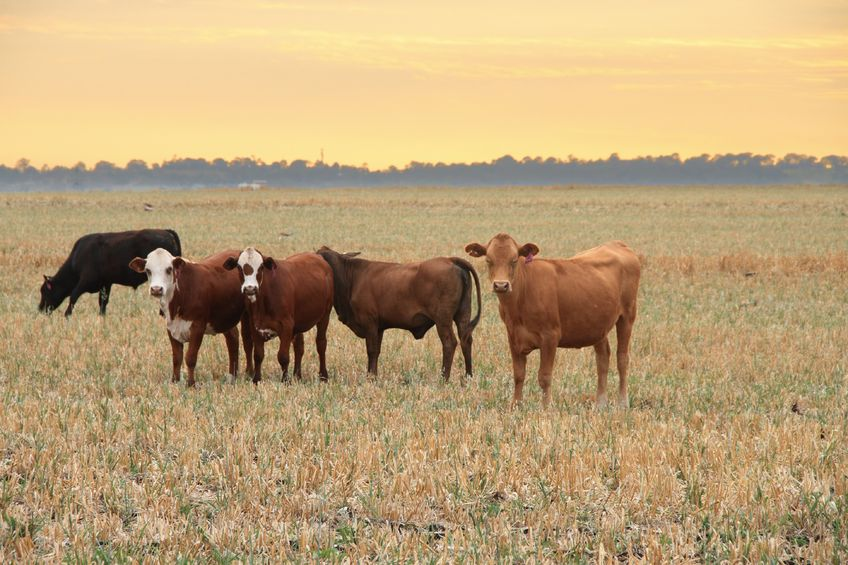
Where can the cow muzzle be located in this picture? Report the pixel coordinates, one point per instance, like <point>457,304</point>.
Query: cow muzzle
<point>249,290</point>
<point>156,291</point>
<point>501,287</point>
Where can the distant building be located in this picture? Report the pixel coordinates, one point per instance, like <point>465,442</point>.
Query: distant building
<point>254,184</point>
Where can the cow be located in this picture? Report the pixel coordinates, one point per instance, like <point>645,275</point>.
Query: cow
<point>99,260</point>
<point>285,298</point>
<point>569,303</point>
<point>372,296</point>
<point>197,299</point>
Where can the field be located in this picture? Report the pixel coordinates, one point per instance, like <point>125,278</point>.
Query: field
<point>734,447</point>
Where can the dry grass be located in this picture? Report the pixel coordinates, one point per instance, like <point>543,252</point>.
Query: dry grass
<point>734,448</point>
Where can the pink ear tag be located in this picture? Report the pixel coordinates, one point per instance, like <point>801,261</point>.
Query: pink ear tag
<point>528,259</point>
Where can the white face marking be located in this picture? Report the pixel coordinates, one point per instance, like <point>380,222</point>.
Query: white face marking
<point>179,329</point>
<point>249,261</point>
<point>160,273</point>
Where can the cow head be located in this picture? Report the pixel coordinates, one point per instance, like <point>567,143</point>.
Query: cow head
<point>162,270</point>
<point>251,266</point>
<point>52,294</point>
<point>503,256</point>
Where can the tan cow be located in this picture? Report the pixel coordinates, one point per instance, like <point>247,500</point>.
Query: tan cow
<point>571,303</point>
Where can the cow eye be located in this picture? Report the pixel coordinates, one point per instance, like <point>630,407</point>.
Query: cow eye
<point>147,271</point>
<point>168,270</point>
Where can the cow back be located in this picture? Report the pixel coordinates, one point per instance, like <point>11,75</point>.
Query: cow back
<point>205,290</point>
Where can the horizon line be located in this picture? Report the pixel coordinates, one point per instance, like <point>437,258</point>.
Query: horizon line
<point>312,162</point>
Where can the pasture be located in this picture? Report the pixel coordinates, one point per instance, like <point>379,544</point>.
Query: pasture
<point>734,447</point>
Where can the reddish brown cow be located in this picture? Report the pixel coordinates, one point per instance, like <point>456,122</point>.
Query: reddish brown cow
<point>372,296</point>
<point>572,303</point>
<point>286,298</point>
<point>197,299</point>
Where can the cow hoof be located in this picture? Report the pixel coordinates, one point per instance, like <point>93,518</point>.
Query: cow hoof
<point>601,402</point>
<point>624,402</point>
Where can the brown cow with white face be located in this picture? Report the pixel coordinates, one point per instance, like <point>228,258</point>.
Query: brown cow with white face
<point>570,303</point>
<point>197,299</point>
<point>285,298</point>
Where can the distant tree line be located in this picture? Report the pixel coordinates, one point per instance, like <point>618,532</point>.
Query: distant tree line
<point>742,168</point>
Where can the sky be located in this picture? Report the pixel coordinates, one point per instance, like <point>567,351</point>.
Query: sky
<point>387,82</point>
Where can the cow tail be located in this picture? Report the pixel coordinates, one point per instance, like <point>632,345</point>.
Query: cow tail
<point>177,239</point>
<point>466,266</point>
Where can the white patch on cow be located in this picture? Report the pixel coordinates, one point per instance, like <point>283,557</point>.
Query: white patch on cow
<point>179,329</point>
<point>267,334</point>
<point>159,266</point>
<point>252,258</point>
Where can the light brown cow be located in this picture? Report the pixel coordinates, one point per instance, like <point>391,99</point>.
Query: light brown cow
<point>197,299</point>
<point>571,303</point>
<point>286,298</point>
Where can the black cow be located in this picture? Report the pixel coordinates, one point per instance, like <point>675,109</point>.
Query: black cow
<point>99,260</point>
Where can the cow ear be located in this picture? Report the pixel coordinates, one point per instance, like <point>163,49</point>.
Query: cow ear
<point>269,263</point>
<point>138,264</point>
<point>475,250</point>
<point>48,278</point>
<point>528,249</point>
<point>352,253</point>
<point>178,263</point>
<point>231,263</point>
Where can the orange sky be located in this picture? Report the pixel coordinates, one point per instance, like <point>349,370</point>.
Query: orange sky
<point>386,82</point>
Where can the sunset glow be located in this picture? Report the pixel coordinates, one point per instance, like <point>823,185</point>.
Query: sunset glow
<point>386,83</point>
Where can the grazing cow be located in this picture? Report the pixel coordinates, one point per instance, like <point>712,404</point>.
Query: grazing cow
<point>197,299</point>
<point>371,297</point>
<point>285,298</point>
<point>99,260</point>
<point>572,303</point>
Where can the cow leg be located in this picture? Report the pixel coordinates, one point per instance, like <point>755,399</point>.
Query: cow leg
<point>519,371</point>
<point>247,343</point>
<point>258,354</point>
<point>448,348</point>
<point>321,346</point>
<point>547,355</point>
<point>177,357</point>
<point>463,328</point>
<point>103,298</point>
<point>78,291</point>
<point>298,356</point>
<point>373,343</point>
<point>602,361</point>
<point>194,341</point>
<point>465,342</point>
<point>283,353</point>
<point>623,330</point>
<point>231,336</point>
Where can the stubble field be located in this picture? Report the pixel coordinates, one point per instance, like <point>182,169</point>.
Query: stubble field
<point>734,447</point>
